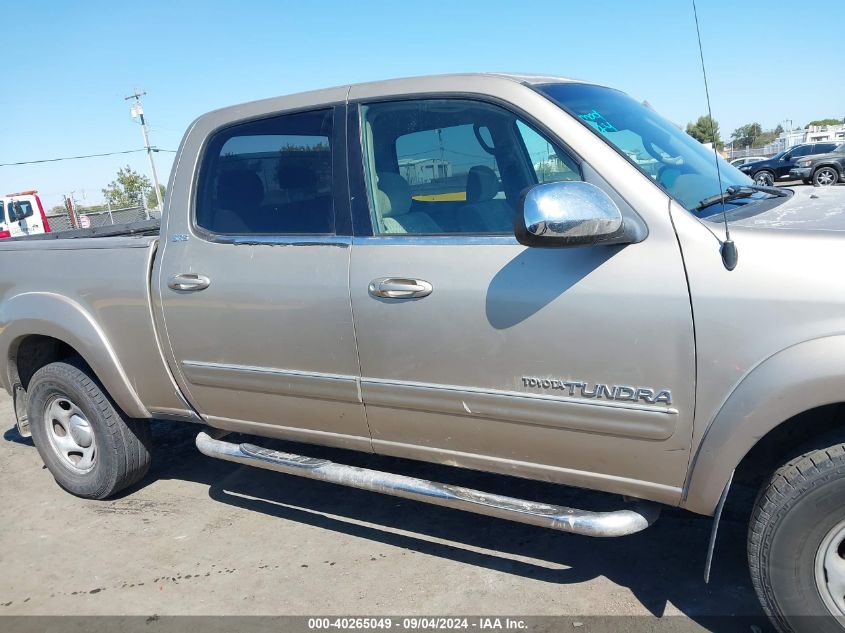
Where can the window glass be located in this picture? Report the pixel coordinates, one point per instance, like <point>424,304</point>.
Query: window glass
<point>802,150</point>
<point>548,164</point>
<point>685,168</point>
<point>20,209</point>
<point>452,166</point>
<point>272,176</point>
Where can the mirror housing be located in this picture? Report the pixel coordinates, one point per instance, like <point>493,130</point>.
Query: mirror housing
<point>568,213</point>
<point>786,157</point>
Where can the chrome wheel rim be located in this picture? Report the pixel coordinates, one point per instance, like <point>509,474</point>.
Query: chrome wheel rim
<point>764,179</point>
<point>825,177</point>
<point>70,434</point>
<point>830,570</point>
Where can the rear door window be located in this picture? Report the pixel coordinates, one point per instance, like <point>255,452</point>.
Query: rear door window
<point>269,177</point>
<point>20,209</point>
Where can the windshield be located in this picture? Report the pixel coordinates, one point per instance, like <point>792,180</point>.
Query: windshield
<point>685,168</point>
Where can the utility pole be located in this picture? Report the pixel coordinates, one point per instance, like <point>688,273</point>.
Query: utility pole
<point>137,111</point>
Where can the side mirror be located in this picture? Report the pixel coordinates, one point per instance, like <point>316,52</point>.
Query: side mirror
<point>786,157</point>
<point>568,213</point>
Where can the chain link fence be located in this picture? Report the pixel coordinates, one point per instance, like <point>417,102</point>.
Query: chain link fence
<point>745,152</point>
<point>61,221</point>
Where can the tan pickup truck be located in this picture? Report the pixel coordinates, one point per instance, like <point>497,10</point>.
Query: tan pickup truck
<point>524,275</point>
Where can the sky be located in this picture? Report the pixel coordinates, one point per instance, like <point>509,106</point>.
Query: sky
<point>67,66</point>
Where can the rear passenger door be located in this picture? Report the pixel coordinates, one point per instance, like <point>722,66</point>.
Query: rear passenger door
<point>479,352</point>
<point>253,281</point>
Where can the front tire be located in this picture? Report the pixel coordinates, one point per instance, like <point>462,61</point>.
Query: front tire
<point>825,177</point>
<point>764,178</point>
<point>796,543</point>
<point>91,449</point>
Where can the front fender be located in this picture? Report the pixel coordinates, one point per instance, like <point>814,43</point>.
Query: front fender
<point>49,314</point>
<point>796,379</point>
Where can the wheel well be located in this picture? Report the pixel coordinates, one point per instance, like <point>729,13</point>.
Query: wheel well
<point>34,352</point>
<point>784,441</point>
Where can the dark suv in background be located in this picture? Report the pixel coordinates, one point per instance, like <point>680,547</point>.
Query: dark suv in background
<point>767,172</point>
<point>822,169</point>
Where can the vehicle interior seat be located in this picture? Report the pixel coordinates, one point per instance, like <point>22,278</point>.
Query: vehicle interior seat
<point>484,213</point>
<point>308,209</point>
<point>239,196</point>
<point>393,207</point>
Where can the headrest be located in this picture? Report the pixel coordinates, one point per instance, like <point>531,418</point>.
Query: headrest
<point>239,188</point>
<point>295,176</point>
<point>482,184</point>
<point>393,196</point>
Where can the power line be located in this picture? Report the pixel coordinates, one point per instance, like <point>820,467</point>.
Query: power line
<point>53,160</point>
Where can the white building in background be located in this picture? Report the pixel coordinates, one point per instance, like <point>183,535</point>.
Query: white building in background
<point>422,170</point>
<point>813,134</point>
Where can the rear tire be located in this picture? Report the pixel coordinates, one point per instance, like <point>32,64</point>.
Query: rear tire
<point>796,542</point>
<point>91,449</point>
<point>764,178</point>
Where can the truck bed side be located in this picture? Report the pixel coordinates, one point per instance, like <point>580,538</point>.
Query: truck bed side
<point>93,296</point>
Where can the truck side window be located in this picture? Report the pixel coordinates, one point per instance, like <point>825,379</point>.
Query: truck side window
<point>271,177</point>
<point>452,166</point>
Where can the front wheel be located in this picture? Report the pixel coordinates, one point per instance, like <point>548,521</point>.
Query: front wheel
<point>91,449</point>
<point>796,543</point>
<point>825,177</point>
<point>764,178</point>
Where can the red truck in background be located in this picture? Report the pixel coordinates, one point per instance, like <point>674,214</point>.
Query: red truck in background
<point>22,214</point>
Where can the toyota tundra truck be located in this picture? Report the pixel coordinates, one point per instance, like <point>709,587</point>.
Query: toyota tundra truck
<point>525,275</point>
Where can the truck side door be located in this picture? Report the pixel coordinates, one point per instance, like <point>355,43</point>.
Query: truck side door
<point>253,281</point>
<point>476,351</point>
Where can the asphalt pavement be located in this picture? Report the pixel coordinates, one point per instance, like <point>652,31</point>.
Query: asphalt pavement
<point>202,536</point>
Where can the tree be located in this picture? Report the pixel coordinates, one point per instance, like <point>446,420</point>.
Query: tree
<point>705,130</point>
<point>130,189</point>
<point>746,135</point>
<point>152,203</point>
<point>766,137</point>
<point>825,122</point>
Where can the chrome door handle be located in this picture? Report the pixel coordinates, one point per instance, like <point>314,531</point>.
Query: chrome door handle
<point>399,288</point>
<point>188,281</point>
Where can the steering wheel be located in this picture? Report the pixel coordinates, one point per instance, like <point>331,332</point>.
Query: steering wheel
<point>661,156</point>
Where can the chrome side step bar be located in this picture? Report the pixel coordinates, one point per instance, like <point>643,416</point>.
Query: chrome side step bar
<point>604,524</point>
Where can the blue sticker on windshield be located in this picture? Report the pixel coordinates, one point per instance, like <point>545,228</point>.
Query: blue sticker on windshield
<point>598,121</point>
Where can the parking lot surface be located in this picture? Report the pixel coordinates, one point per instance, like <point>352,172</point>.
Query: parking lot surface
<point>200,536</point>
